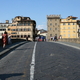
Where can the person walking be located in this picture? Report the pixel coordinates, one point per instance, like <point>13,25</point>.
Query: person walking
<point>26,38</point>
<point>4,39</point>
<point>9,39</point>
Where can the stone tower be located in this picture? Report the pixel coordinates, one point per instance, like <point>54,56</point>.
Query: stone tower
<point>53,26</point>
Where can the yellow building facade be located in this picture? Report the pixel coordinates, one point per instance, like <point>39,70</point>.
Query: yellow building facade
<point>69,27</point>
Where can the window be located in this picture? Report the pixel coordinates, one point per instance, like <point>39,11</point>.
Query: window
<point>18,36</point>
<point>13,33</point>
<point>68,27</point>
<point>63,23</point>
<point>50,28</point>
<point>73,34</point>
<point>68,23</point>
<point>29,29</point>
<point>50,35</point>
<point>8,29</point>
<point>79,30</point>
<point>55,28</point>
<point>13,30</point>
<point>28,23</point>
<point>24,36</point>
<point>68,35</point>
<point>4,25</point>
<point>50,24</point>
<point>4,29</point>
<point>74,31</point>
<point>73,23</point>
<point>20,24</point>
<point>55,23</point>
<point>24,29</point>
<point>55,19</point>
<point>64,35</point>
<point>21,29</point>
<point>21,36</point>
<point>28,35</point>
<point>25,24</point>
<point>16,29</point>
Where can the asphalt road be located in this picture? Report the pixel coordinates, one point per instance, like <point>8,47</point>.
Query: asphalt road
<point>51,61</point>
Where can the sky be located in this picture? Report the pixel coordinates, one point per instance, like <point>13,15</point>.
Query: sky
<point>38,10</point>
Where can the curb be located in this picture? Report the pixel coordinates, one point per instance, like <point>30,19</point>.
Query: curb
<point>10,48</point>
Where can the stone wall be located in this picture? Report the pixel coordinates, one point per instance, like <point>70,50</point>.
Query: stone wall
<point>74,40</point>
<point>13,41</point>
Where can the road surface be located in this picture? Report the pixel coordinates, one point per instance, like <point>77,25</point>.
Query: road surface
<point>41,61</point>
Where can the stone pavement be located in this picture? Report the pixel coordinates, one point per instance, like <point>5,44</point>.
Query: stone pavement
<point>9,47</point>
<point>13,45</point>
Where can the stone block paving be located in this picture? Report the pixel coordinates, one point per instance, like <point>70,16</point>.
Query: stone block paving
<point>57,62</point>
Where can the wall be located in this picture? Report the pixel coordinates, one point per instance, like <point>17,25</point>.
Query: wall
<point>74,40</point>
<point>13,41</point>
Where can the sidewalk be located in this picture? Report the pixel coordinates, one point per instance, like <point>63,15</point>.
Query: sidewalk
<point>74,45</point>
<point>9,47</point>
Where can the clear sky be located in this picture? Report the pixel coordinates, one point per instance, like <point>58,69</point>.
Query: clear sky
<point>38,9</point>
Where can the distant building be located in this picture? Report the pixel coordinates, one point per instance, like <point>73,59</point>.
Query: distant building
<point>4,26</point>
<point>22,27</point>
<point>78,22</point>
<point>42,32</point>
<point>53,26</point>
<point>69,27</point>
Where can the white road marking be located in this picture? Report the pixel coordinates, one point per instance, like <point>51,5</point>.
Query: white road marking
<point>68,45</point>
<point>33,63</point>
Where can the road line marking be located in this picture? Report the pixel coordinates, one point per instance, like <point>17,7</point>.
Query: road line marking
<point>32,65</point>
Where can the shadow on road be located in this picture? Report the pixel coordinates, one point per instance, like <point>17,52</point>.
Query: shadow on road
<point>4,76</point>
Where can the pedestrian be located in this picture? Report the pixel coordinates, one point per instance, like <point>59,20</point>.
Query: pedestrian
<point>9,39</point>
<point>53,38</point>
<point>4,39</point>
<point>26,38</point>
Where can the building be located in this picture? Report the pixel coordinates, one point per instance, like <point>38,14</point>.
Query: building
<point>69,27</point>
<point>22,27</point>
<point>78,22</point>
<point>42,32</point>
<point>53,26</point>
<point>3,27</point>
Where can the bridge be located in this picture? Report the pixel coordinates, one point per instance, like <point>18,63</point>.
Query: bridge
<point>56,60</point>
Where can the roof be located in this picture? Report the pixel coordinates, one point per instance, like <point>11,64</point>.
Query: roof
<point>44,32</point>
<point>71,17</point>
